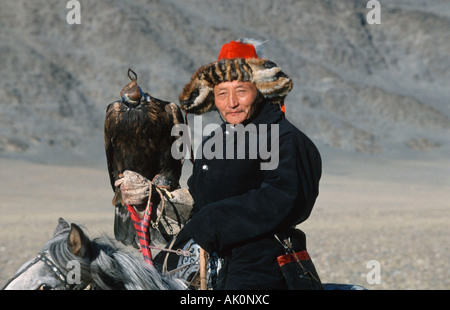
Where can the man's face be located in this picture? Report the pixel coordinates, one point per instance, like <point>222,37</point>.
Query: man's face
<point>235,100</point>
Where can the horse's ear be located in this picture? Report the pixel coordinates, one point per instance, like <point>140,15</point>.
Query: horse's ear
<point>62,225</point>
<point>77,242</point>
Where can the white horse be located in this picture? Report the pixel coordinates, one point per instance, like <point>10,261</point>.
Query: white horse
<point>99,264</point>
<point>70,261</point>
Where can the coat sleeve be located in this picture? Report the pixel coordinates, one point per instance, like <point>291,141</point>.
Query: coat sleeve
<point>284,199</point>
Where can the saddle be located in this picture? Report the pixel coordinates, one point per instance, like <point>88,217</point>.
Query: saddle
<point>186,265</point>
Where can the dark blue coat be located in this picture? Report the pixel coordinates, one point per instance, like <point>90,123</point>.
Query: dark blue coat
<point>240,206</point>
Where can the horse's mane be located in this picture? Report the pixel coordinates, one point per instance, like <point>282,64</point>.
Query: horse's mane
<point>109,266</point>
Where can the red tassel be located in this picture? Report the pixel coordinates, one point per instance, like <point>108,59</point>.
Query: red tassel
<point>141,225</point>
<point>288,258</point>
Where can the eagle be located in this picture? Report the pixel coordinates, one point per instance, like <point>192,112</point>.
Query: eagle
<point>137,135</point>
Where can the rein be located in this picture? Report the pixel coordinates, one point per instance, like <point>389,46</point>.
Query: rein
<point>59,274</point>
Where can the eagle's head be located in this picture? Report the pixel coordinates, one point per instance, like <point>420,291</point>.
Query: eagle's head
<point>132,93</point>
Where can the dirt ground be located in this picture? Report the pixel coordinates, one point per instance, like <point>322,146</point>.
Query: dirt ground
<point>393,212</point>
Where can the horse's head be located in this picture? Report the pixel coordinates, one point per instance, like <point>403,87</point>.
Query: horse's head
<point>70,260</point>
<point>44,272</point>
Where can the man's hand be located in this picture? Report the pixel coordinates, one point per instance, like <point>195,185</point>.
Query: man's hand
<point>135,189</point>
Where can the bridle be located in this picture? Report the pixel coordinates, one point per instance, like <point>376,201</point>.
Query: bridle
<point>44,257</point>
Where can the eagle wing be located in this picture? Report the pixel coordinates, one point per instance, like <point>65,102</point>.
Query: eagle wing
<point>123,227</point>
<point>109,139</point>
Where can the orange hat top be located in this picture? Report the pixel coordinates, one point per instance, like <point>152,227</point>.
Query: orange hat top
<point>237,49</point>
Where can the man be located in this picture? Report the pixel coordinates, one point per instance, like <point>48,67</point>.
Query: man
<point>244,212</point>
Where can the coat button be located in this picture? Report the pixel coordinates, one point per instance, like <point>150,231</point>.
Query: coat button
<point>205,167</point>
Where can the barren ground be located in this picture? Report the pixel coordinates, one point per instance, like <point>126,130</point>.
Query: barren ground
<point>396,213</point>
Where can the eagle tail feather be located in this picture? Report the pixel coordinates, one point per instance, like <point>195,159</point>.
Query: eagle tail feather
<point>124,230</point>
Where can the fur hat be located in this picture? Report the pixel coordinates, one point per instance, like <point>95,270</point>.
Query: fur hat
<point>238,61</point>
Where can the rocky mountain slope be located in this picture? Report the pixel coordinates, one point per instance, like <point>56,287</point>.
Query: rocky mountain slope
<point>377,89</point>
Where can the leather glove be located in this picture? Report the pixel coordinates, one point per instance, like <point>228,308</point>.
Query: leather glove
<point>135,189</point>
